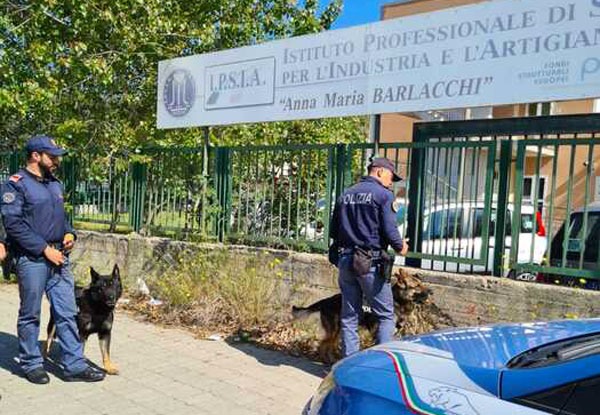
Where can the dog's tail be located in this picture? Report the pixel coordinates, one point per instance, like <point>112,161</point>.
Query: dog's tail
<point>299,313</point>
<point>303,312</point>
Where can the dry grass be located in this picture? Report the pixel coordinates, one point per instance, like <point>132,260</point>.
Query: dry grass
<point>240,299</point>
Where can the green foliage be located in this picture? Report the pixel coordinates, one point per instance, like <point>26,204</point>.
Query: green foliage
<point>86,71</point>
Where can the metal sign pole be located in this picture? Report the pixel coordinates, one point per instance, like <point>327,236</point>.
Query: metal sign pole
<point>205,146</point>
<point>375,132</point>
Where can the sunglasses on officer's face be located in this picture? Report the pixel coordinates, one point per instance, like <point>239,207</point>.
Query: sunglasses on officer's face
<point>52,158</point>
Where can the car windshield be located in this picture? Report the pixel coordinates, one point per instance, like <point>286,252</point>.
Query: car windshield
<point>453,223</point>
<point>581,240</point>
<point>558,352</point>
<point>526,223</point>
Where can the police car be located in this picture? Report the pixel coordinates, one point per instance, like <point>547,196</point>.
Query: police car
<point>528,368</point>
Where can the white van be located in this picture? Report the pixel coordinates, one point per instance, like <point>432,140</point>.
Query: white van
<point>455,230</point>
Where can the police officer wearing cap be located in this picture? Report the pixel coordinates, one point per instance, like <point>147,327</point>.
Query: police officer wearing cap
<point>39,236</point>
<point>364,222</point>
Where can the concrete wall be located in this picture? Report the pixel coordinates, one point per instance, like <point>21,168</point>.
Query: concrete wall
<point>469,300</point>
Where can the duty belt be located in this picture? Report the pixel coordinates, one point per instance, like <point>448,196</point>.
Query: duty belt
<point>375,253</point>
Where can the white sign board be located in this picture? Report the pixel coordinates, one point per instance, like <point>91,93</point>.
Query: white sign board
<point>496,52</point>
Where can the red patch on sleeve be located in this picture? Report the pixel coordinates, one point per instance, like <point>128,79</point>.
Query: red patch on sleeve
<point>15,178</point>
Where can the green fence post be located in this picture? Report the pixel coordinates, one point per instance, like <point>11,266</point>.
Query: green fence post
<point>518,199</point>
<point>340,168</point>
<point>223,187</point>
<point>69,179</point>
<point>138,191</point>
<point>416,198</point>
<point>14,162</point>
<point>205,179</point>
<point>503,178</point>
<point>330,192</point>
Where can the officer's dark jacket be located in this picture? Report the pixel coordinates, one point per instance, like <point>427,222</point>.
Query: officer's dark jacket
<point>33,213</point>
<point>363,216</point>
<point>2,233</point>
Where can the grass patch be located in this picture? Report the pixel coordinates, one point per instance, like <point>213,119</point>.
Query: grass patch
<point>241,298</point>
<point>217,289</point>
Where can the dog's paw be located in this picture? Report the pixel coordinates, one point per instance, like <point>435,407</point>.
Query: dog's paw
<point>111,369</point>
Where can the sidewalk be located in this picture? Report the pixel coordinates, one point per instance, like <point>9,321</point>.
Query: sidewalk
<point>163,371</point>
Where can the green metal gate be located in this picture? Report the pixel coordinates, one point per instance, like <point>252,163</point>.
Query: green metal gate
<point>544,174</point>
<point>572,178</point>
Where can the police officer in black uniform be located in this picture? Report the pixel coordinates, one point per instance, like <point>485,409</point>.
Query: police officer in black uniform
<point>363,225</point>
<point>39,236</point>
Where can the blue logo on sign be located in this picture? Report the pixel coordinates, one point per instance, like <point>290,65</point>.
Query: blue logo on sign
<point>179,93</point>
<point>591,67</point>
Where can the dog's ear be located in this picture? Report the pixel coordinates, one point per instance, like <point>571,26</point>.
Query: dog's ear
<point>94,274</point>
<point>116,274</point>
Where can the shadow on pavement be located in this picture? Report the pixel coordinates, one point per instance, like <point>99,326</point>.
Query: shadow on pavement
<point>274,358</point>
<point>9,347</point>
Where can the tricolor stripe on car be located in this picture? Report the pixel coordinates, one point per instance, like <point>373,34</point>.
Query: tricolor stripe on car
<point>409,394</point>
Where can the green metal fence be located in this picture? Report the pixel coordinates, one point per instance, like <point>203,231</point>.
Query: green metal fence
<point>503,197</point>
<point>281,193</point>
<point>99,190</point>
<point>543,216</point>
<point>572,217</point>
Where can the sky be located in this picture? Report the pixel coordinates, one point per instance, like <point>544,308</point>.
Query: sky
<point>358,12</point>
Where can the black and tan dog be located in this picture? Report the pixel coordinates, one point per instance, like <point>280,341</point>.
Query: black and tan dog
<point>408,292</point>
<point>96,305</point>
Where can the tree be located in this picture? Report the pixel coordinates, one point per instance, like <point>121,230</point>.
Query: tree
<point>86,71</point>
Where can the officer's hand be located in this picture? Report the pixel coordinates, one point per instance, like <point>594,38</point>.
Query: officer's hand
<point>54,256</point>
<point>405,247</point>
<point>68,242</point>
<point>2,252</point>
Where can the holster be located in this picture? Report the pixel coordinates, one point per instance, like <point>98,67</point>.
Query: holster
<point>385,266</point>
<point>334,254</point>
<point>361,260</point>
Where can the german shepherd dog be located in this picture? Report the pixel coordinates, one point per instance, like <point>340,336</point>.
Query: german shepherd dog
<point>408,292</point>
<point>96,305</point>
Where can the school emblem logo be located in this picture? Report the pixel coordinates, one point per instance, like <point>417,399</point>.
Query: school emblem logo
<point>179,92</point>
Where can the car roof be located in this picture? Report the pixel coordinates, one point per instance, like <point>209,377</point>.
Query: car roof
<point>592,207</point>
<point>525,208</point>
<point>495,345</point>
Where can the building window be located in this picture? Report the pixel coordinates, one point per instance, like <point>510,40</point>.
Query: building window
<point>529,190</point>
<point>479,113</point>
<point>539,109</point>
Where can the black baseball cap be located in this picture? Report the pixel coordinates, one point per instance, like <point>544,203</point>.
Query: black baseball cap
<point>44,144</point>
<point>386,164</point>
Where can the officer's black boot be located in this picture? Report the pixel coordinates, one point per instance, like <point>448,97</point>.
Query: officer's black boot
<point>88,375</point>
<point>38,376</point>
